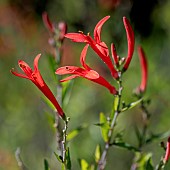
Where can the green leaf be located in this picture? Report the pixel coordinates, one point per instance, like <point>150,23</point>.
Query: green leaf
<point>105,127</point>
<point>52,64</point>
<point>83,164</point>
<point>46,166</point>
<point>157,136</point>
<point>143,161</point>
<point>116,102</point>
<point>66,91</point>
<point>50,119</point>
<point>138,134</point>
<point>149,164</point>
<point>49,104</point>
<point>131,105</point>
<point>115,106</point>
<point>126,146</point>
<point>59,158</point>
<point>75,132</point>
<point>68,160</point>
<point>63,166</point>
<point>97,153</point>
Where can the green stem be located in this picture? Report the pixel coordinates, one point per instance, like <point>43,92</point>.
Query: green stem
<point>102,161</point>
<point>146,117</point>
<point>64,144</point>
<point>19,160</point>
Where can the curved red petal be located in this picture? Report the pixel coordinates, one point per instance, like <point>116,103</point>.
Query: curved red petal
<point>19,74</point>
<point>131,42</point>
<point>25,68</point>
<point>36,62</point>
<point>66,70</point>
<point>76,37</point>
<point>69,78</point>
<point>98,27</point>
<point>83,56</point>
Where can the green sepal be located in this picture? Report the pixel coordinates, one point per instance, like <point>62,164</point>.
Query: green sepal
<point>105,126</point>
<point>131,105</point>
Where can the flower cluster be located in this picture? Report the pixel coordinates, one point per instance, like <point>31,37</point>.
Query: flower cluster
<point>102,51</point>
<point>85,71</point>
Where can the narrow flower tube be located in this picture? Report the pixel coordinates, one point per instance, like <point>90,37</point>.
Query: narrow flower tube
<point>131,42</point>
<point>85,72</point>
<point>36,78</point>
<point>167,154</point>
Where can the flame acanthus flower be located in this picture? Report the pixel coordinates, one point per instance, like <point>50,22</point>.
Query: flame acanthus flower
<point>85,72</point>
<point>36,78</point>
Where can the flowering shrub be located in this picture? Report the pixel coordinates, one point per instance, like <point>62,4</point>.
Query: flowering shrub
<point>117,67</point>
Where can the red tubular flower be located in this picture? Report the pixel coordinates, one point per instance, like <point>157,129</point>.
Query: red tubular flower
<point>36,78</point>
<point>144,70</point>
<point>96,44</point>
<point>85,72</point>
<point>167,154</point>
<point>47,22</point>
<point>131,42</point>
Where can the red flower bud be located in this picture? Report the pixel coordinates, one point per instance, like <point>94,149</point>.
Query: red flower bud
<point>47,22</point>
<point>131,42</point>
<point>167,154</point>
<point>144,70</point>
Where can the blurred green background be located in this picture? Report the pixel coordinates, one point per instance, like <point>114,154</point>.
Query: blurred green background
<point>23,119</point>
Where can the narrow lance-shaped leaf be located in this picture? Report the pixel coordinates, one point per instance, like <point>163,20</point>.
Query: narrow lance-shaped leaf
<point>157,136</point>
<point>68,160</point>
<point>97,153</point>
<point>83,164</point>
<point>66,91</point>
<point>105,127</point>
<point>131,105</point>
<point>71,135</point>
<point>46,166</point>
<point>149,165</point>
<point>59,158</point>
<point>143,161</point>
<point>125,145</point>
